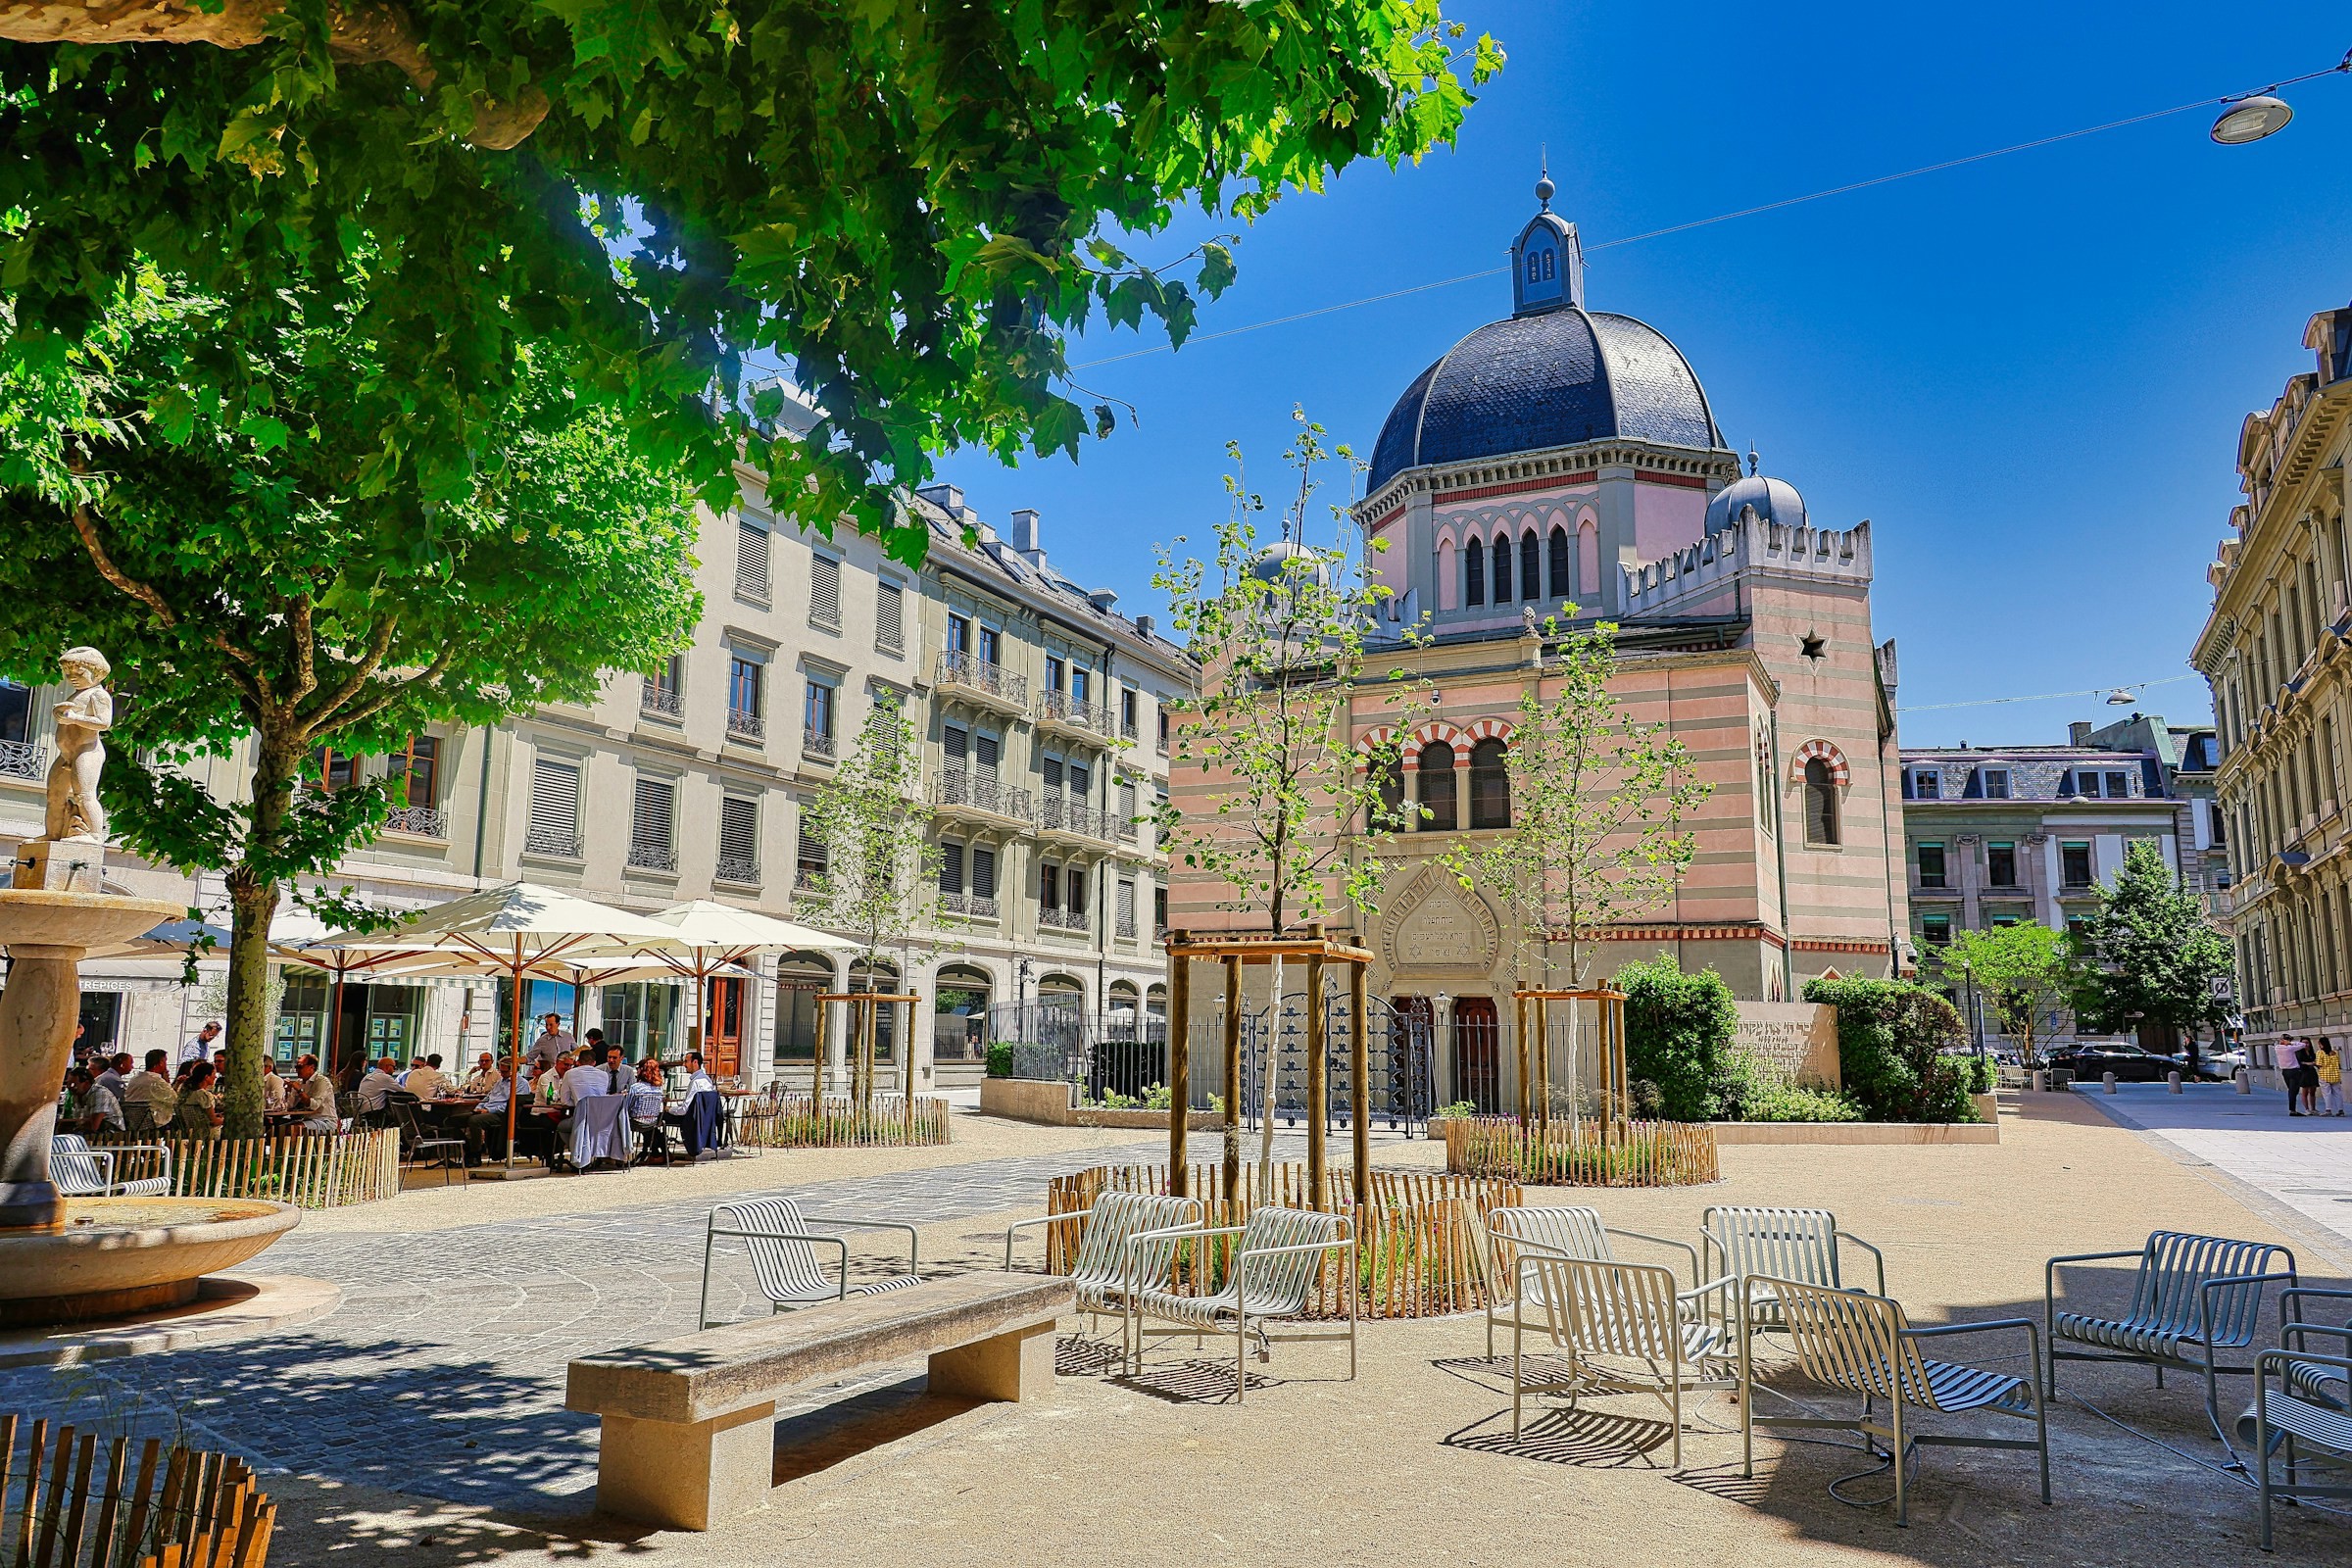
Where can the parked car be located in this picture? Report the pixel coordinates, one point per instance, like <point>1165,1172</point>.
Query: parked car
<point>2129,1064</point>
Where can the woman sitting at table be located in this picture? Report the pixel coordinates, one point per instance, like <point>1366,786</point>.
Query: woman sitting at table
<point>199,1113</point>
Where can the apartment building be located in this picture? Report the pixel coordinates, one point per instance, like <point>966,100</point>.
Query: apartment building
<point>2275,651</point>
<point>1041,709</point>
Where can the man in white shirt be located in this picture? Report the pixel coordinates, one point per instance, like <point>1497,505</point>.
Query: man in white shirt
<point>486,1128</point>
<point>425,1080</point>
<point>312,1092</point>
<point>2290,1055</point>
<point>697,1079</point>
<point>200,1044</point>
<point>377,1085</point>
<point>485,1072</point>
<point>553,1040</point>
<point>588,1080</point>
<point>153,1090</point>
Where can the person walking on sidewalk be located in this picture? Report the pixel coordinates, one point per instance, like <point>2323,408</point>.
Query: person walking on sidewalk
<point>2290,1053</point>
<point>2328,1066</point>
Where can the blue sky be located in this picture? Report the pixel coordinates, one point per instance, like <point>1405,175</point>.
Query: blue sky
<point>2029,374</point>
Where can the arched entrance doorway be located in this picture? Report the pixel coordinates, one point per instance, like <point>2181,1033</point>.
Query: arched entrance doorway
<point>1478,1054</point>
<point>959,998</point>
<point>799,977</point>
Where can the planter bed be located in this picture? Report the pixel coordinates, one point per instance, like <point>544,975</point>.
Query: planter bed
<point>1046,1102</point>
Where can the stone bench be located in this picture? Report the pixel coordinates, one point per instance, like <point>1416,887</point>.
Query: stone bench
<point>688,1425</point>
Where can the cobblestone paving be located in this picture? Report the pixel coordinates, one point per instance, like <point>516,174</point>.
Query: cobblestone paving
<point>442,1371</point>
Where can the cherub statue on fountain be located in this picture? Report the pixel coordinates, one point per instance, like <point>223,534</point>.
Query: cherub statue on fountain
<point>70,855</point>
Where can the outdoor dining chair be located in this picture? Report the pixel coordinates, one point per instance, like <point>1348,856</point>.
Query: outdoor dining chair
<point>1271,1279</point>
<point>81,1172</point>
<point>1759,1245</point>
<point>2192,1297</point>
<point>600,1130</point>
<point>1623,1326</point>
<point>1566,1230</point>
<point>1105,1270</point>
<point>1863,1345</point>
<point>419,1142</point>
<point>2308,1420</point>
<point>776,1234</point>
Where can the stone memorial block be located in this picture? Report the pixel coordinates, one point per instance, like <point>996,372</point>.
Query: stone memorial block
<point>1799,1038</point>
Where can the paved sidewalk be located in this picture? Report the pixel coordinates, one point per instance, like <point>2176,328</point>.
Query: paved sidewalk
<point>2304,1164</point>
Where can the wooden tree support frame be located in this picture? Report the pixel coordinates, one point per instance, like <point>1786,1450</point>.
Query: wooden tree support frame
<point>1535,1056</point>
<point>866,1013</point>
<point>1235,950</point>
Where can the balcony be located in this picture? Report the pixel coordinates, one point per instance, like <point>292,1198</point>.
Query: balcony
<point>966,791</point>
<point>807,878</point>
<point>1060,815</point>
<point>1129,732</point>
<point>660,702</point>
<point>817,746</point>
<point>1070,921</point>
<point>653,858</point>
<point>424,821</point>
<point>742,869</point>
<point>745,726</point>
<point>559,842</point>
<point>988,685</point>
<point>970,906</point>
<point>1061,713</point>
<point>27,759</point>
<point>1126,927</point>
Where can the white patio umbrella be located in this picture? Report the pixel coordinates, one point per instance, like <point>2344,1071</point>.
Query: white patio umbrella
<point>705,936</point>
<point>519,931</point>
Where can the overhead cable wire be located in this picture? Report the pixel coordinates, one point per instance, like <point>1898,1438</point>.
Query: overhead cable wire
<point>2050,697</point>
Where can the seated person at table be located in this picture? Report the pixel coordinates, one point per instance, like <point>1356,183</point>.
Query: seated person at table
<point>485,1073</point>
<point>586,1080</point>
<point>115,1073</point>
<point>199,1115</point>
<point>647,1096</point>
<point>546,1082</point>
<point>377,1085</point>
<point>274,1088</point>
<point>312,1095</point>
<point>425,1080</point>
<point>95,1107</point>
<point>153,1090</point>
<point>486,1128</point>
<point>698,1078</point>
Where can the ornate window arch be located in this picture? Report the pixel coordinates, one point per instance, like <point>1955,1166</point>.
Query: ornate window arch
<point>1827,754</point>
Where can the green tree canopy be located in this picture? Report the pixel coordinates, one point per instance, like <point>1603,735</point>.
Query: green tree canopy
<point>263,598</point>
<point>2022,972</point>
<point>908,203</point>
<point>2150,953</point>
<point>1678,1029</point>
<point>1894,1050</point>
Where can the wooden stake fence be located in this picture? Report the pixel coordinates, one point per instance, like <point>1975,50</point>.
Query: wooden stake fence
<point>1593,1153</point>
<point>210,1514</point>
<point>804,1121</point>
<point>308,1170</point>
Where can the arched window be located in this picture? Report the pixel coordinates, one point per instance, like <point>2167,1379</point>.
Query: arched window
<point>1588,558</point>
<point>1436,769</point>
<point>1502,568</point>
<point>1531,567</point>
<point>1489,783</point>
<point>1474,574</point>
<point>1563,566</point>
<point>1390,816</point>
<point>1821,803</point>
<point>1448,586</point>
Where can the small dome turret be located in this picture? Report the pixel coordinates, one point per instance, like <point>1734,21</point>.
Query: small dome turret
<point>1774,500</point>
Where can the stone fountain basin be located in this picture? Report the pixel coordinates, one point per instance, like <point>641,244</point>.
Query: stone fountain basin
<point>47,918</point>
<point>121,1254</point>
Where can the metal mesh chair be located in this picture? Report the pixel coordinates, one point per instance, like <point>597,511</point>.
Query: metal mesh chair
<point>81,1172</point>
<point>1105,1270</point>
<point>1566,1230</point>
<point>1758,1245</point>
<point>1273,1276</point>
<point>775,1233</point>
<point>2192,1297</point>
<point>2311,1407</point>
<point>1862,1344</point>
<point>418,1141</point>
<point>1655,1337</point>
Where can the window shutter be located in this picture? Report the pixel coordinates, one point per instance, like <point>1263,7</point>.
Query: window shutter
<point>555,809</point>
<point>750,560</point>
<point>810,851</point>
<point>1078,782</point>
<point>1126,909</point>
<point>984,873</point>
<point>953,742</point>
<point>738,834</point>
<point>824,591</point>
<point>951,868</point>
<point>651,825</point>
<point>889,626</point>
<point>984,752</point>
<point>1126,802</point>
<point>1052,767</point>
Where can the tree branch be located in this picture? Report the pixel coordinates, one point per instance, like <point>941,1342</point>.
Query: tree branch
<point>85,527</point>
<point>379,643</point>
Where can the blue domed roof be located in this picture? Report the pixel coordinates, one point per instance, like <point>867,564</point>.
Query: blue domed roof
<point>1547,379</point>
<point>1775,501</point>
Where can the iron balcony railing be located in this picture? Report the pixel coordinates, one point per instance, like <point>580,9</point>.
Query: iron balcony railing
<point>1064,709</point>
<point>562,842</point>
<point>968,671</point>
<point>1058,813</point>
<point>981,791</point>
<point>738,868</point>
<point>970,906</point>
<point>664,701</point>
<point>425,822</point>
<point>1062,920</point>
<point>816,743</point>
<point>742,725</point>
<point>23,759</point>
<point>1126,926</point>
<point>653,858</point>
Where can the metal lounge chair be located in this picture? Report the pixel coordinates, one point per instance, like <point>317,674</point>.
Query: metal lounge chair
<point>81,1172</point>
<point>783,1253</point>
<point>1764,1245</point>
<point>1567,1231</point>
<point>1104,1270</point>
<point>1272,1279</point>
<point>2192,1297</point>
<point>1863,1345</point>
<point>2312,1408</point>
<point>1657,1339</point>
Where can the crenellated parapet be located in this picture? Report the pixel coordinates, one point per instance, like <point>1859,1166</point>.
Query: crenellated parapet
<point>1749,544</point>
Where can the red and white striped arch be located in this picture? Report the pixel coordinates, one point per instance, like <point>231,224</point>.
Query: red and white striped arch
<point>1839,775</point>
<point>1458,736</point>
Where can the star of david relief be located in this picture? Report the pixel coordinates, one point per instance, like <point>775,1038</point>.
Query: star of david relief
<point>1438,924</point>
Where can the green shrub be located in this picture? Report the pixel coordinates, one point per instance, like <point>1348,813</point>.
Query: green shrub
<point>1000,1058</point>
<point>1460,1107</point>
<point>1755,1090</point>
<point>1983,1075</point>
<point>1160,1097</point>
<point>1891,1039</point>
<point>1678,1029</point>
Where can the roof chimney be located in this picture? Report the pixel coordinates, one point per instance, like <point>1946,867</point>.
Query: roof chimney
<point>1024,534</point>
<point>1103,599</point>
<point>1142,625</point>
<point>2078,733</point>
<point>947,497</point>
